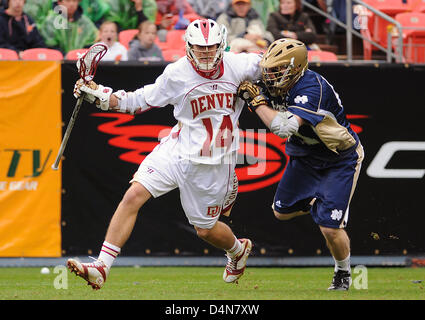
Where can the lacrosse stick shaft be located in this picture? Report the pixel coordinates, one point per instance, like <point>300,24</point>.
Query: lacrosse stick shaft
<point>65,138</point>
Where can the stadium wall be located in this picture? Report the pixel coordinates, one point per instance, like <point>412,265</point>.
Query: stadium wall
<point>383,103</point>
<point>386,214</point>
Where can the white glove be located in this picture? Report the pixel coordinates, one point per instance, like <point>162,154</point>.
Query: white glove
<point>77,92</point>
<point>94,93</point>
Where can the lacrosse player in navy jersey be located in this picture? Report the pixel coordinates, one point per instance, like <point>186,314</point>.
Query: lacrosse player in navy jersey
<point>325,153</point>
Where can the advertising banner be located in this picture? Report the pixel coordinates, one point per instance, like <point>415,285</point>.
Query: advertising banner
<point>386,213</point>
<point>30,131</point>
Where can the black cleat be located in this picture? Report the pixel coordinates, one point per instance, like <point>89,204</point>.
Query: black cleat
<point>341,281</point>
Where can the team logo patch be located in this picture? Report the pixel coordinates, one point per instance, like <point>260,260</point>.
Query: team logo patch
<point>213,211</point>
<point>301,99</point>
<point>336,214</point>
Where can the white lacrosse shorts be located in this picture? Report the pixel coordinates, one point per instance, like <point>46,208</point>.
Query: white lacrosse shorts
<point>205,190</point>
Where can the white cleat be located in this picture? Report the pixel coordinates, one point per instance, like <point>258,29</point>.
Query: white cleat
<point>94,273</point>
<point>236,266</point>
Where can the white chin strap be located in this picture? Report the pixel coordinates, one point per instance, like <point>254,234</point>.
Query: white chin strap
<point>207,67</point>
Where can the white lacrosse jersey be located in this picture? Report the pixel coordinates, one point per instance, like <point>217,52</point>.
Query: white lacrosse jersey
<point>207,110</point>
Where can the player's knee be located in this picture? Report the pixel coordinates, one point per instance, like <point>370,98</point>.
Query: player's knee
<point>135,196</point>
<point>202,233</point>
<point>283,216</point>
<point>331,234</point>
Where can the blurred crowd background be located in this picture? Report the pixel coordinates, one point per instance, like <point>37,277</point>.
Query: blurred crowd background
<point>153,30</point>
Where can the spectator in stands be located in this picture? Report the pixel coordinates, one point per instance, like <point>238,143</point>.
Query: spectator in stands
<point>108,34</point>
<point>291,22</point>
<point>95,10</point>
<point>320,22</point>
<point>209,9</point>
<point>143,47</point>
<point>264,8</point>
<point>246,32</point>
<point>70,29</point>
<point>3,5</point>
<point>128,14</point>
<point>174,14</point>
<point>38,10</point>
<point>17,30</point>
<point>338,9</point>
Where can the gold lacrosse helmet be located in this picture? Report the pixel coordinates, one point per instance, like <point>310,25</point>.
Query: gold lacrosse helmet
<point>283,64</point>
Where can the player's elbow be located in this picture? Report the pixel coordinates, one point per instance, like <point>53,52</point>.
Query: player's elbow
<point>284,124</point>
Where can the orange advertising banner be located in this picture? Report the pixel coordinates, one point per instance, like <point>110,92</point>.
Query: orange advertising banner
<point>30,135</point>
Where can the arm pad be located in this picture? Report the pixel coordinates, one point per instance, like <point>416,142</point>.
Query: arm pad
<point>284,124</point>
<point>131,102</point>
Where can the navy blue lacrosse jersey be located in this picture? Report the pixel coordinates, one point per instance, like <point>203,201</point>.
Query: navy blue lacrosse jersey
<point>328,135</point>
<point>325,155</point>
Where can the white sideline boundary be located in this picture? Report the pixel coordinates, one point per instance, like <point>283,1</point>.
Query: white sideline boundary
<point>372,261</point>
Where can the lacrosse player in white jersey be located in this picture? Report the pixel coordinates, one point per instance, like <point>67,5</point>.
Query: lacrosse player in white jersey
<point>199,154</point>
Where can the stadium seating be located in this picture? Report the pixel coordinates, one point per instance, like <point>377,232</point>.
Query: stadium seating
<point>175,39</point>
<point>125,36</point>
<point>418,6</point>
<point>162,45</point>
<point>8,54</point>
<point>321,56</point>
<point>364,15</point>
<point>367,46</point>
<point>75,54</point>
<point>377,25</point>
<point>413,40</point>
<point>41,54</point>
<point>172,55</point>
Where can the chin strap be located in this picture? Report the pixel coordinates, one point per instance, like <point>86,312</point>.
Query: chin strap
<point>213,74</point>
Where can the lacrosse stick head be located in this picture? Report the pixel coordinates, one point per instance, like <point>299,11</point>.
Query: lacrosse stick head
<point>87,64</point>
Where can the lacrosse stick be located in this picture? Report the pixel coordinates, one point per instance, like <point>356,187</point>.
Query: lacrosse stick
<point>87,66</point>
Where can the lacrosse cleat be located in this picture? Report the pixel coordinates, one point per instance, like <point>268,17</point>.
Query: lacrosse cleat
<point>94,273</point>
<point>236,265</point>
<point>341,281</point>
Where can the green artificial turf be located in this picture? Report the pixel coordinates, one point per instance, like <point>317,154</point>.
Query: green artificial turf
<point>205,283</point>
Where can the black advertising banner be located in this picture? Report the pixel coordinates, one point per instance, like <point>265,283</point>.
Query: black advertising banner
<point>385,105</point>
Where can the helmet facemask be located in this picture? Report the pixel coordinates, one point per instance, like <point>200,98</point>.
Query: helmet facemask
<point>205,60</point>
<point>280,79</point>
<point>212,38</point>
<point>283,65</point>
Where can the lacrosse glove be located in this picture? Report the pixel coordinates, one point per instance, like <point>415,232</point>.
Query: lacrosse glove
<point>252,94</point>
<point>94,93</point>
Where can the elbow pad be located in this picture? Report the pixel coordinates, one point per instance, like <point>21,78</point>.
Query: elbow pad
<point>284,124</point>
<point>131,102</point>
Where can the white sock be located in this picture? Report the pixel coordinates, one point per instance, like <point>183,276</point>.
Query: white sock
<point>343,264</point>
<point>237,247</point>
<point>108,253</point>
